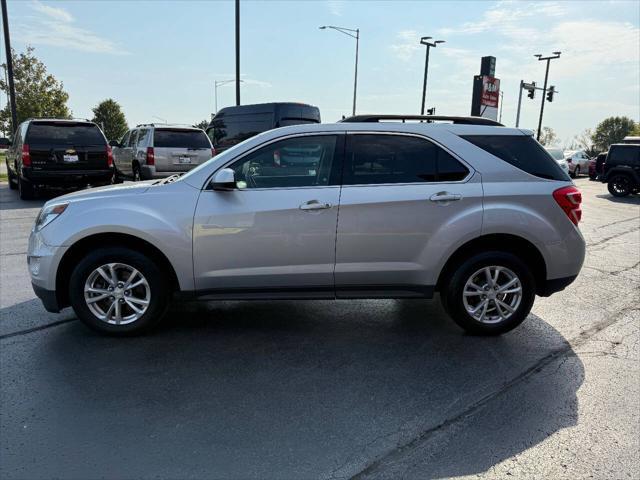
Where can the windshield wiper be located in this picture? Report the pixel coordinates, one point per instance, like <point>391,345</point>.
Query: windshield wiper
<point>172,178</point>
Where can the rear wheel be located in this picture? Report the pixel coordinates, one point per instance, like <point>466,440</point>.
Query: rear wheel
<point>118,291</point>
<point>13,181</point>
<point>136,173</point>
<point>576,171</point>
<point>26,190</point>
<point>489,293</point>
<point>619,186</point>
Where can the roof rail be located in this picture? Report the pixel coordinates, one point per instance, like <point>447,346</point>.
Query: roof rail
<point>428,118</point>
<point>164,125</point>
<point>74,119</point>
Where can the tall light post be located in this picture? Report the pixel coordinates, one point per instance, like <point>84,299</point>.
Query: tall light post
<point>544,88</point>
<point>216,84</point>
<point>425,41</point>
<point>354,34</point>
<point>9,70</point>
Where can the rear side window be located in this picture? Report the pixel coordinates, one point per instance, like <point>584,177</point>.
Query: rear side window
<point>177,138</point>
<point>74,134</point>
<point>384,159</point>
<point>521,151</point>
<point>624,155</point>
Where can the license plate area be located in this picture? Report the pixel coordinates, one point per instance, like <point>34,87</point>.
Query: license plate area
<point>70,158</point>
<point>184,160</point>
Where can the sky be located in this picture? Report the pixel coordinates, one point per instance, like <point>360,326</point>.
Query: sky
<point>159,59</point>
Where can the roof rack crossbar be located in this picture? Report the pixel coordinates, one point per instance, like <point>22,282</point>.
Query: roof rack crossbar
<point>164,125</point>
<point>428,118</point>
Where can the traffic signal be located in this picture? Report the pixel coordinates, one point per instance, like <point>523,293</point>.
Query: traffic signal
<point>532,90</point>
<point>550,93</point>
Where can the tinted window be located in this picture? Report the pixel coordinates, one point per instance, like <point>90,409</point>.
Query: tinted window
<point>177,138</point>
<point>521,151</point>
<point>231,129</point>
<point>294,162</point>
<point>285,122</point>
<point>64,134</point>
<point>378,159</point>
<point>623,155</point>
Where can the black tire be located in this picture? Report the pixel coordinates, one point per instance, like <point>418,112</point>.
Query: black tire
<point>619,186</point>
<point>26,190</point>
<point>159,287</point>
<point>117,178</point>
<point>576,171</point>
<point>13,181</point>
<point>452,290</point>
<point>137,176</point>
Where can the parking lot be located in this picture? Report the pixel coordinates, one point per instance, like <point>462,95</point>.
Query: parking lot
<point>322,389</point>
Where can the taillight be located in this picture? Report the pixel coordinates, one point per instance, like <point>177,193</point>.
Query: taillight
<point>151,158</point>
<point>109,156</point>
<point>213,152</point>
<point>26,156</point>
<point>569,199</point>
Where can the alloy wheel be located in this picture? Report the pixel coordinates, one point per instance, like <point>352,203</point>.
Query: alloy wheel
<point>492,294</point>
<point>117,293</point>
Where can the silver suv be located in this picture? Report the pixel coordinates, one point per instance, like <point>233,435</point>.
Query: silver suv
<point>365,208</point>
<point>157,151</point>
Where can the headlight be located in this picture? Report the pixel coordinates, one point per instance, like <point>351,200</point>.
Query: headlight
<point>49,214</point>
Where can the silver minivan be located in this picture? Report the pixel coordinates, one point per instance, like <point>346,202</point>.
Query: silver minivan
<point>160,150</point>
<point>366,208</point>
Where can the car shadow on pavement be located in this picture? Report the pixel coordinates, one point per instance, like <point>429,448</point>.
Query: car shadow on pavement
<point>280,389</point>
<point>631,199</point>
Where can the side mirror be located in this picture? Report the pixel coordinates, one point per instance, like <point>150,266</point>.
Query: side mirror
<point>5,142</point>
<point>114,143</point>
<point>224,179</point>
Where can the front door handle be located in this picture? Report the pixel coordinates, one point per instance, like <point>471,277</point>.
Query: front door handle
<point>314,205</point>
<point>445,197</point>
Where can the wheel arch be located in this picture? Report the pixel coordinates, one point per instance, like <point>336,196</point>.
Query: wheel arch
<point>502,242</point>
<point>73,255</point>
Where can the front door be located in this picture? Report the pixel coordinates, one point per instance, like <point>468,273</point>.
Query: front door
<point>404,200</point>
<point>275,233</point>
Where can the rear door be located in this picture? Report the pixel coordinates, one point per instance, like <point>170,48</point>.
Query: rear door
<point>66,146</point>
<point>121,156</point>
<point>180,149</point>
<point>403,200</point>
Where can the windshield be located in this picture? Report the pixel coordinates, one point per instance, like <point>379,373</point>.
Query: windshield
<point>230,152</point>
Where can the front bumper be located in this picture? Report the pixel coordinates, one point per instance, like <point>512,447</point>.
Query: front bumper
<point>552,286</point>
<point>43,261</point>
<point>48,297</point>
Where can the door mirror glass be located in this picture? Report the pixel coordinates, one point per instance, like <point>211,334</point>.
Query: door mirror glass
<point>224,179</point>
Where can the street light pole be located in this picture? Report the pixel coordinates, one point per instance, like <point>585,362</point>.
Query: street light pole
<point>237,52</point>
<point>9,70</point>
<point>354,33</point>
<point>519,103</point>
<point>216,84</point>
<point>425,41</point>
<point>544,88</point>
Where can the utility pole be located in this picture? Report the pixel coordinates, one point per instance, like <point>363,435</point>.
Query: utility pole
<point>353,33</point>
<point>425,41</point>
<point>12,89</point>
<point>519,103</point>
<point>544,88</point>
<point>237,52</point>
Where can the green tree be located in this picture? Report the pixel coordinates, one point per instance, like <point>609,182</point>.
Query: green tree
<point>111,119</point>
<point>203,124</point>
<point>612,130</point>
<point>38,93</point>
<point>548,137</point>
<point>636,130</point>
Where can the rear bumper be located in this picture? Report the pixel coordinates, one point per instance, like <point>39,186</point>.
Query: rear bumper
<point>67,178</point>
<point>552,286</point>
<point>48,298</point>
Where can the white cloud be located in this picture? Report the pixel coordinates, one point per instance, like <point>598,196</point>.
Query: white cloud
<point>408,43</point>
<point>56,27</point>
<point>336,7</point>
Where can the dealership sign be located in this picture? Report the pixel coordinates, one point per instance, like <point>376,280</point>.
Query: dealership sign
<point>490,91</point>
<point>486,90</point>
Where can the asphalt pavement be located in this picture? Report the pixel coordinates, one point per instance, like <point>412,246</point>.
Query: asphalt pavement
<point>329,389</point>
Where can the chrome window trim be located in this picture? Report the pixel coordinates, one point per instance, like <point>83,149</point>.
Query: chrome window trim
<point>472,171</point>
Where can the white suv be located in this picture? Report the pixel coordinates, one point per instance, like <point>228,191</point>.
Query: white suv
<point>365,208</point>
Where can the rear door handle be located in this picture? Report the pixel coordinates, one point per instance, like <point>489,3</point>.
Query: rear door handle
<point>445,197</point>
<point>314,205</point>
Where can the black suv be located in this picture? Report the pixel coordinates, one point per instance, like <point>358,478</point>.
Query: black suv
<point>621,170</point>
<point>58,153</point>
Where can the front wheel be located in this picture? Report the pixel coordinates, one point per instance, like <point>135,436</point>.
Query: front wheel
<point>118,291</point>
<point>137,176</point>
<point>619,186</point>
<point>489,293</point>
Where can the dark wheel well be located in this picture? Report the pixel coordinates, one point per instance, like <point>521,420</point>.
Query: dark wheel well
<point>82,247</point>
<point>518,246</point>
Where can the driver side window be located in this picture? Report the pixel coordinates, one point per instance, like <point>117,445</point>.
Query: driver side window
<point>294,162</point>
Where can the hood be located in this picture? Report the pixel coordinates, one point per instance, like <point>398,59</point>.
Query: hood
<point>129,188</point>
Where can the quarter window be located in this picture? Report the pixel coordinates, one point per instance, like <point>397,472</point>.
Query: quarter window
<point>294,162</point>
<point>382,159</point>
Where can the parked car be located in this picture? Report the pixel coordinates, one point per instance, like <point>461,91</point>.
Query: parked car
<point>232,125</point>
<point>578,162</point>
<point>622,169</point>
<point>481,214</point>
<point>160,150</point>
<point>58,153</point>
<point>558,156</point>
<point>596,165</point>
